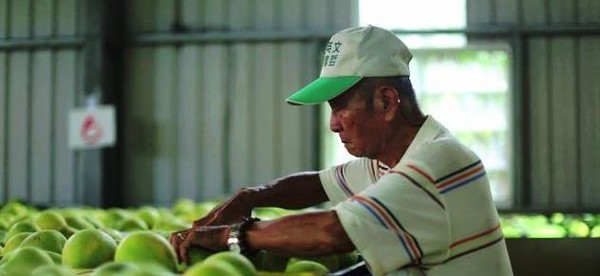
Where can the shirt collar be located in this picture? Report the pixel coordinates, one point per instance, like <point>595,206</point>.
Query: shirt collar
<point>430,130</point>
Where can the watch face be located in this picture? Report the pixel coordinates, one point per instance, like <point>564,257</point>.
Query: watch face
<point>234,245</point>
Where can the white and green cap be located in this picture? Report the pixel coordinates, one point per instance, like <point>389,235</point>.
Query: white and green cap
<point>350,55</point>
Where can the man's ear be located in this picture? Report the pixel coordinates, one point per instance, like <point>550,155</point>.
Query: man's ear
<point>390,101</point>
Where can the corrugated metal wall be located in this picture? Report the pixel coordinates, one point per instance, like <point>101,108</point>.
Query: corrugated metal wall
<point>206,83</point>
<point>40,79</point>
<point>203,88</point>
<point>560,92</point>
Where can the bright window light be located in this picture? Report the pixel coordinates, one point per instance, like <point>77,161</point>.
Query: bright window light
<point>414,15</point>
<point>418,15</point>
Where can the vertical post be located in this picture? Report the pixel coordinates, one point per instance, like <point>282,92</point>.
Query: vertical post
<point>520,121</point>
<point>113,43</point>
<point>100,169</point>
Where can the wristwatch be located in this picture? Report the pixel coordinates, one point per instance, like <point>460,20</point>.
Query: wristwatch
<point>233,242</point>
<point>237,240</point>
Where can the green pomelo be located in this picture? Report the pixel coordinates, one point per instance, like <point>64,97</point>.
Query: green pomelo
<point>532,221</point>
<point>330,261</point>
<point>348,259</point>
<point>115,269</point>
<point>547,231</point>
<point>146,247</point>
<point>14,242</point>
<point>94,221</point>
<point>50,240</point>
<point>203,208</point>
<point>269,213</point>
<point>210,269</point>
<point>184,206</point>
<point>162,233</point>
<point>595,232</point>
<point>236,260</point>
<point>88,248</point>
<point>307,266</point>
<point>589,219</point>
<point>78,223</point>
<point>557,218</point>
<point>171,224</point>
<point>197,254</point>
<point>131,224</point>
<point>56,258</point>
<point>267,261</point>
<point>149,215</point>
<point>68,231</point>
<point>578,229</point>
<point>20,227</point>
<point>112,217</point>
<point>50,219</point>
<point>512,231</point>
<point>152,269</point>
<point>14,211</point>
<point>24,260</point>
<point>53,270</point>
<point>116,235</point>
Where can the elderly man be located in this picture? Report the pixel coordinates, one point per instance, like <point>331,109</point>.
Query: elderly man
<point>415,201</point>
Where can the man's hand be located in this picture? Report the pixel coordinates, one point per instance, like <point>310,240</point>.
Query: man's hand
<point>229,212</point>
<point>177,240</point>
<point>295,191</point>
<point>209,237</point>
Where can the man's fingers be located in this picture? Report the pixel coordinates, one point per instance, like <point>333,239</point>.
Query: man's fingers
<point>183,251</point>
<point>176,246</point>
<point>177,241</point>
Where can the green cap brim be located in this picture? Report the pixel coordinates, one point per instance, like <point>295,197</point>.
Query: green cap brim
<point>322,90</point>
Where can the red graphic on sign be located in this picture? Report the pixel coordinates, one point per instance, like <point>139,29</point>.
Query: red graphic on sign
<point>91,130</point>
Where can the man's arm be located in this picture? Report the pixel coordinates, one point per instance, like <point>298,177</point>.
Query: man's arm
<point>295,191</point>
<point>308,234</point>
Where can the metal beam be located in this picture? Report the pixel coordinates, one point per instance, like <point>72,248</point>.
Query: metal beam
<point>40,43</point>
<point>512,31</point>
<point>221,36</point>
<point>294,35</point>
<point>227,37</point>
<point>224,36</point>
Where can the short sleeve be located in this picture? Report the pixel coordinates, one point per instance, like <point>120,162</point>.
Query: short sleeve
<point>343,181</point>
<point>396,222</point>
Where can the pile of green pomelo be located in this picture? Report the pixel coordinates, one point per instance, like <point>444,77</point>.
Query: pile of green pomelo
<point>553,225</point>
<point>132,241</point>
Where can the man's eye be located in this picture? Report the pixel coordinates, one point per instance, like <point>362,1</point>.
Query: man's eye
<point>336,108</point>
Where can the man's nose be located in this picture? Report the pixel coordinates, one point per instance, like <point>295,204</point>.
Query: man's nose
<point>334,123</point>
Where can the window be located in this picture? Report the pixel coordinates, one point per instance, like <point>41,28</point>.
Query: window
<point>465,87</point>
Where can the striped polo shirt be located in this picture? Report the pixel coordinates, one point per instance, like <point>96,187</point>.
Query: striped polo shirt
<point>431,214</point>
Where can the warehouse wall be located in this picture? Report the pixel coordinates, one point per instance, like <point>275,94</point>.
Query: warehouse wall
<point>41,70</point>
<point>559,96</point>
<point>201,97</point>
<point>206,83</point>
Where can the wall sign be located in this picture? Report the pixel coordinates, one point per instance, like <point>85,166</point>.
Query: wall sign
<point>92,127</point>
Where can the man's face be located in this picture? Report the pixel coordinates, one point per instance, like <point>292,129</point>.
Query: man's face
<point>358,126</point>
